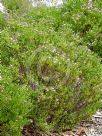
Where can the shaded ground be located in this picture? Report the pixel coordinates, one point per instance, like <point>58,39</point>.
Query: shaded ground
<point>95,128</point>
<point>91,128</point>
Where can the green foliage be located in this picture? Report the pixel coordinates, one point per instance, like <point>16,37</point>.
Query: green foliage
<point>45,52</point>
<point>15,104</point>
<point>87,22</point>
<point>20,6</point>
<point>1,20</point>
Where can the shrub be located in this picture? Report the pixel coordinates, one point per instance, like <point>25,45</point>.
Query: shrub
<point>43,53</point>
<point>86,22</point>
<point>15,105</point>
<point>20,6</point>
<point>66,76</point>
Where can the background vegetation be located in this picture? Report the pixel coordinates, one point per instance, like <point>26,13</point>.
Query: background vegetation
<point>50,65</point>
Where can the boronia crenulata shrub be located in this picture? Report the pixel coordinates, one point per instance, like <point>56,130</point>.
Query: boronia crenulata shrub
<point>47,73</point>
<point>85,21</point>
<point>15,105</point>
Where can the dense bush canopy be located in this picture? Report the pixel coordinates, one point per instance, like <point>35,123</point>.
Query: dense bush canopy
<point>86,21</point>
<point>48,72</point>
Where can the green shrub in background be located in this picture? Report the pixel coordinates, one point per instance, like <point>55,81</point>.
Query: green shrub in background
<point>41,52</point>
<point>20,6</point>
<point>87,22</point>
